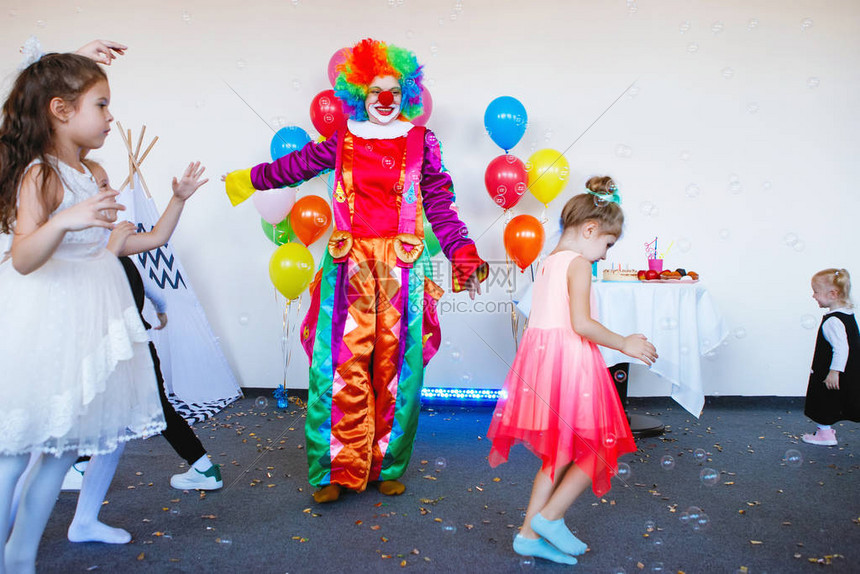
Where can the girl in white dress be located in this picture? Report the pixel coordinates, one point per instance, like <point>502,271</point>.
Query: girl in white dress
<point>77,377</point>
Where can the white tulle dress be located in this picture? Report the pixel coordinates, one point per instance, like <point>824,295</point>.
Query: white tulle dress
<point>75,368</point>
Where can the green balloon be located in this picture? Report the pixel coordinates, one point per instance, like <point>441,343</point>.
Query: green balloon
<point>280,233</point>
<point>430,239</point>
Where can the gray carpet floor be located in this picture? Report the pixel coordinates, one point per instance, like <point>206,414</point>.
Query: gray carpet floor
<point>767,513</point>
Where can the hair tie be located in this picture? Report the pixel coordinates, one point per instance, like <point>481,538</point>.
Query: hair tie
<point>31,52</point>
<point>836,273</point>
<point>601,199</point>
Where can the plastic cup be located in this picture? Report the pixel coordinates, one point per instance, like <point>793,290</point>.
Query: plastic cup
<point>655,265</point>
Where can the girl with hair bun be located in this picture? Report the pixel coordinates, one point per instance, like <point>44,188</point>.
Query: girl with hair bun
<point>833,392</point>
<point>558,398</point>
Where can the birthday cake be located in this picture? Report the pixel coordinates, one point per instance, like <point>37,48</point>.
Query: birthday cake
<point>620,275</point>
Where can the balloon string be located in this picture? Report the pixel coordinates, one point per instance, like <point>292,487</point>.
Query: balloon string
<point>285,341</point>
<point>514,317</point>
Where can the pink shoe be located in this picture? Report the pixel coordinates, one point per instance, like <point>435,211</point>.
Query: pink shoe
<point>821,437</point>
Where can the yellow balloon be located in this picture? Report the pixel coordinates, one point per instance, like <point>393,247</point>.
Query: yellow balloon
<point>548,174</point>
<point>291,268</point>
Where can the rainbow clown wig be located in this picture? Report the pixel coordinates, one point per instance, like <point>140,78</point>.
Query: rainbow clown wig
<point>369,59</point>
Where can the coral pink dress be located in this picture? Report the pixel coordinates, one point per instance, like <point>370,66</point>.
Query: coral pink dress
<point>558,398</point>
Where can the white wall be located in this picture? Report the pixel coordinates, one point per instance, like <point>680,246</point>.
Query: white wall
<point>739,98</point>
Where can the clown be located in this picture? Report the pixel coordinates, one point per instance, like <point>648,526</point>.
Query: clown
<point>372,325</point>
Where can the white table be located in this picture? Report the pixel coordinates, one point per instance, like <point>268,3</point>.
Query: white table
<point>681,320</point>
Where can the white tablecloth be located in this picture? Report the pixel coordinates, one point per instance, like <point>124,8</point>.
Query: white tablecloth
<point>680,319</point>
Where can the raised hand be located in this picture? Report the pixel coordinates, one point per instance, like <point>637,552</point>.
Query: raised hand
<point>96,211</point>
<point>102,51</point>
<point>639,347</point>
<point>184,187</point>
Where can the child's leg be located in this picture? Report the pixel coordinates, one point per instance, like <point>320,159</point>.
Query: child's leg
<point>549,522</point>
<point>528,542</point>
<point>85,526</point>
<point>11,468</point>
<point>37,500</point>
<point>16,496</point>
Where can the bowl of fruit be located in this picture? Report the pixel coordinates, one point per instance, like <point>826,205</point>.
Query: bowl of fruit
<point>668,276</point>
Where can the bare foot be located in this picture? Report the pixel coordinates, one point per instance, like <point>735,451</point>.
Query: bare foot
<point>328,493</point>
<point>391,487</point>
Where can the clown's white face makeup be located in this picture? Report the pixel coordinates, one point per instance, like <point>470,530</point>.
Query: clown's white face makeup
<point>383,100</point>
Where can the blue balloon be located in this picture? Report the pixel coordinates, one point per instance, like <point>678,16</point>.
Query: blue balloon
<point>506,121</point>
<point>287,140</point>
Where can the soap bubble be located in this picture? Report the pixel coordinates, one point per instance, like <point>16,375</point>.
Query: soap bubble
<point>261,402</point>
<point>813,82</point>
<point>224,541</point>
<point>684,27</point>
<point>668,323</point>
<point>735,184</point>
<point>728,73</point>
<point>740,333</point>
<point>692,513</point>
<point>693,191</point>
<point>793,458</point>
<point>609,441</point>
<point>174,512</point>
<point>799,246</point>
<point>725,234</point>
<point>709,476</point>
<point>667,462</point>
<point>752,24</point>
<point>650,526</point>
<point>657,542</point>
<point>440,464</point>
<point>646,207</point>
<point>692,48</point>
<point>790,239</point>
<point>456,355</point>
<point>241,64</point>
<point>186,16</point>
<point>633,91</point>
<point>547,135</point>
<point>624,471</point>
<point>657,567</point>
<point>449,527</point>
<point>243,319</point>
<point>527,563</point>
<point>617,570</point>
<point>808,322</point>
<point>466,380</point>
<point>717,27</point>
<point>700,455</point>
<point>620,375</point>
<point>702,522</point>
<point>623,150</point>
<point>752,107</point>
<point>434,49</point>
<point>684,155</point>
<point>806,24</point>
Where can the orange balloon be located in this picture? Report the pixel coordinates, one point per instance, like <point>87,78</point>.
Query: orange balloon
<point>309,218</point>
<point>523,240</point>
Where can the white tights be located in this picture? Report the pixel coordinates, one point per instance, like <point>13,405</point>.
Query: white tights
<point>38,496</point>
<point>85,526</point>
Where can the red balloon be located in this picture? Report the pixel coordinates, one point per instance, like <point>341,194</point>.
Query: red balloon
<point>326,113</point>
<point>523,240</point>
<point>427,104</point>
<point>309,218</point>
<point>506,180</point>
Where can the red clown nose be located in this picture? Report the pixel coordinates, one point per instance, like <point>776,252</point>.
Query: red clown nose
<point>385,98</point>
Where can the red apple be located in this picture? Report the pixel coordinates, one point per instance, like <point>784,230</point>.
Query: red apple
<point>641,275</point>
<point>650,275</point>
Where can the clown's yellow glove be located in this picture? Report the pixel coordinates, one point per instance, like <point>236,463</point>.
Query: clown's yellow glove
<point>239,187</point>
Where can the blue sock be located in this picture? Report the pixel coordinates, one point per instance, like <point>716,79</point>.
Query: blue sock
<point>558,535</point>
<point>540,548</point>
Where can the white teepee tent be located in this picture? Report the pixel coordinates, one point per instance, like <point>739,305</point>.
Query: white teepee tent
<point>197,377</point>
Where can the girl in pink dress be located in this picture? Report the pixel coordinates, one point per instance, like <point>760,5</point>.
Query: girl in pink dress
<point>558,398</point>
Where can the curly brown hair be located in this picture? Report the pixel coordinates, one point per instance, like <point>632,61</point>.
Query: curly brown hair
<point>26,131</point>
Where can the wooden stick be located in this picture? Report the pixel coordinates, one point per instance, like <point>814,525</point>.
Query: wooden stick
<point>139,141</point>
<point>135,166</point>
<point>140,161</point>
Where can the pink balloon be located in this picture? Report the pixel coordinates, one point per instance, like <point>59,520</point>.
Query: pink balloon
<point>427,101</point>
<point>274,204</point>
<point>337,58</point>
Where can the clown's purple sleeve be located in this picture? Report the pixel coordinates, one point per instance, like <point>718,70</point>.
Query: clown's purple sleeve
<point>438,192</point>
<point>296,166</point>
